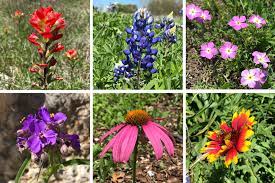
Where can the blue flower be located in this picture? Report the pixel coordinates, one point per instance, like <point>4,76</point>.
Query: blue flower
<point>169,28</point>
<point>140,51</point>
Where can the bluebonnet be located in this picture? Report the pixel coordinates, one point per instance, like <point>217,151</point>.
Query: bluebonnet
<point>169,28</point>
<point>41,131</point>
<point>140,54</point>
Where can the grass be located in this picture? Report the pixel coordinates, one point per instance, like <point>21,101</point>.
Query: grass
<point>18,54</point>
<point>206,111</point>
<point>110,110</point>
<point>226,74</point>
<point>109,43</point>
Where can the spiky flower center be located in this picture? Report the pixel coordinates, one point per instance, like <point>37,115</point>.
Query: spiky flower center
<point>137,117</point>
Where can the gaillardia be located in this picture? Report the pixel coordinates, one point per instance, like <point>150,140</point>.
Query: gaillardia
<point>229,141</point>
<point>137,123</point>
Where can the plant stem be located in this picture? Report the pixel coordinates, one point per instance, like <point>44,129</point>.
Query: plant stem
<point>138,75</point>
<point>134,165</point>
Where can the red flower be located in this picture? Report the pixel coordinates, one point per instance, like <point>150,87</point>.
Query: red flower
<point>229,141</point>
<point>71,54</point>
<point>47,22</point>
<point>33,39</point>
<point>18,14</point>
<point>57,47</point>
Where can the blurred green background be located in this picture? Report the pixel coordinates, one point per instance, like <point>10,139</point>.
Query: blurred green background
<point>18,54</point>
<point>205,113</point>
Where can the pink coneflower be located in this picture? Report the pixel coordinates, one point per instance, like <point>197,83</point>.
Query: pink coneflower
<point>193,11</point>
<point>124,142</point>
<point>261,58</point>
<point>257,20</point>
<point>204,16</point>
<point>228,50</point>
<point>238,22</point>
<point>208,50</point>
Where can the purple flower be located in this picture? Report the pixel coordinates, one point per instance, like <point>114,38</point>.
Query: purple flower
<point>257,20</point>
<point>253,78</point>
<point>42,131</point>
<point>204,16</point>
<point>193,11</point>
<point>238,22</point>
<point>228,50</point>
<point>208,50</point>
<point>260,58</point>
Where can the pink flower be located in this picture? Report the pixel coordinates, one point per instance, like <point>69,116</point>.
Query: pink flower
<point>124,142</point>
<point>238,22</point>
<point>260,58</point>
<point>204,16</point>
<point>193,11</point>
<point>257,20</point>
<point>253,78</point>
<point>208,50</point>
<point>228,50</point>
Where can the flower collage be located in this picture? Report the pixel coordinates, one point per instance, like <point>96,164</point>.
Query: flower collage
<point>137,91</point>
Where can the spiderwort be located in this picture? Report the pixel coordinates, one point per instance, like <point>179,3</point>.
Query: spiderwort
<point>47,25</point>
<point>228,50</point>
<point>253,78</point>
<point>238,22</point>
<point>257,20</point>
<point>260,58</point>
<point>41,133</point>
<point>208,50</point>
<point>140,55</point>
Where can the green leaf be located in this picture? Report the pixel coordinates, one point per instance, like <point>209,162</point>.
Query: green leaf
<point>22,169</point>
<point>76,162</point>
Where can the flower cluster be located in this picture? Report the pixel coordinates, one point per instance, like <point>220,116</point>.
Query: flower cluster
<point>47,24</point>
<point>124,142</point>
<point>255,78</point>
<point>229,141</point>
<point>41,132</point>
<point>227,50</point>
<point>168,24</point>
<point>194,12</point>
<point>140,52</point>
<point>71,54</point>
<point>239,22</point>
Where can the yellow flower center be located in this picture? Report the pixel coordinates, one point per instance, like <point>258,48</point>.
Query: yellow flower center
<point>137,117</point>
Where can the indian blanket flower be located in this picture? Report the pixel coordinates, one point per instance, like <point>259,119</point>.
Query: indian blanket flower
<point>253,78</point>
<point>71,54</point>
<point>260,58</point>
<point>204,16</point>
<point>238,22</point>
<point>257,20</point>
<point>168,24</point>
<point>137,123</point>
<point>140,54</point>
<point>41,132</point>
<point>208,50</point>
<point>228,50</point>
<point>193,11</point>
<point>229,141</point>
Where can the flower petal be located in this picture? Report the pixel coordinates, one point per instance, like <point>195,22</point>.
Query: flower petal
<point>114,129</point>
<point>232,155</point>
<point>59,117</point>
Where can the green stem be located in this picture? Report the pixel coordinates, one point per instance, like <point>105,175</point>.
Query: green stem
<point>138,75</point>
<point>134,165</point>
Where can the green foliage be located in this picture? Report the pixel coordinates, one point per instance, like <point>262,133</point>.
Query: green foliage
<point>158,7</point>
<point>110,110</point>
<point>18,54</point>
<point>206,111</point>
<point>219,73</point>
<point>109,43</point>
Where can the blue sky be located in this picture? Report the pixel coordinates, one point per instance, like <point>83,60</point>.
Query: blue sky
<point>104,3</point>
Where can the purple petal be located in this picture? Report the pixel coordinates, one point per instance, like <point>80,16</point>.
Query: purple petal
<point>50,136</point>
<point>59,117</point>
<point>34,144</point>
<point>44,114</point>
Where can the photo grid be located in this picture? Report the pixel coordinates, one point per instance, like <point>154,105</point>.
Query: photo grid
<point>137,91</point>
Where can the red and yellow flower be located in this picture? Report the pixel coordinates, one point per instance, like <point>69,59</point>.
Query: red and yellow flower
<point>229,141</point>
<point>71,54</point>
